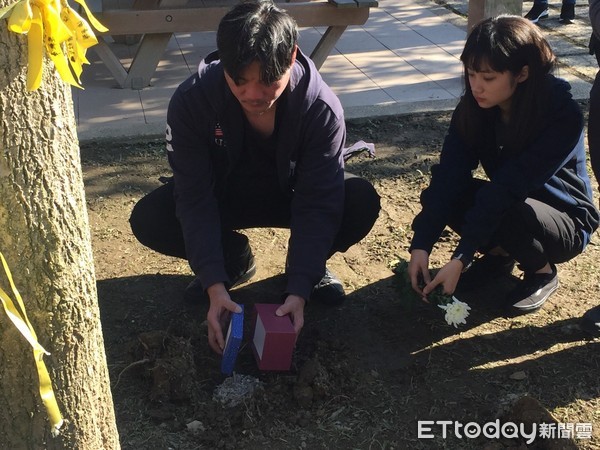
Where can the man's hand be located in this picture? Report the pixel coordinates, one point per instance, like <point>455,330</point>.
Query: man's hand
<point>294,306</point>
<point>418,270</point>
<point>221,306</point>
<point>447,276</point>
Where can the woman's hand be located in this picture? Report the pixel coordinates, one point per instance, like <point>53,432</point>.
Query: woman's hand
<point>221,307</point>
<point>418,270</point>
<point>294,306</point>
<point>448,277</point>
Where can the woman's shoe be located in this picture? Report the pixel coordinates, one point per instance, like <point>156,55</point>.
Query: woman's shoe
<point>567,14</point>
<point>533,291</point>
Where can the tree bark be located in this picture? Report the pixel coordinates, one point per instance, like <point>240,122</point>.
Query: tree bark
<point>44,235</point>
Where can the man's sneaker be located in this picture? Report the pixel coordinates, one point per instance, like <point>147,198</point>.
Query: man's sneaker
<point>241,278</point>
<point>239,265</point>
<point>537,13</point>
<point>239,260</point>
<point>533,291</point>
<point>590,322</point>
<point>240,271</point>
<point>194,292</point>
<point>485,269</point>
<point>328,291</point>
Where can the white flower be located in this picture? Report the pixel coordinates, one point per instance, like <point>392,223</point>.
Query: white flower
<point>456,312</point>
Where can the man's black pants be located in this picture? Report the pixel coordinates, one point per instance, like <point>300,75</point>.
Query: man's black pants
<point>155,225</point>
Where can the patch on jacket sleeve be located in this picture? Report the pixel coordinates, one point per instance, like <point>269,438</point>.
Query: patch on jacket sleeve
<point>169,138</point>
<point>219,135</point>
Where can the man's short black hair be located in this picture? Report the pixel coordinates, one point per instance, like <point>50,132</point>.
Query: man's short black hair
<point>257,31</point>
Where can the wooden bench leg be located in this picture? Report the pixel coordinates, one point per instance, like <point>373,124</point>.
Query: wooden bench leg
<point>148,55</point>
<point>112,63</point>
<point>146,59</point>
<point>326,44</point>
<point>144,64</point>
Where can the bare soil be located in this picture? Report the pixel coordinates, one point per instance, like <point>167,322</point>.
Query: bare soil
<point>363,373</point>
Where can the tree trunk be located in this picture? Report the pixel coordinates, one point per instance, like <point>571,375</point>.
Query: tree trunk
<point>44,235</point>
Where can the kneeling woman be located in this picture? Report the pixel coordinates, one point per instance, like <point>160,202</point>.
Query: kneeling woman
<point>521,124</point>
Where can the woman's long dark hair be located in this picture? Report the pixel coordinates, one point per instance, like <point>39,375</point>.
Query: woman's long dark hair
<point>500,44</point>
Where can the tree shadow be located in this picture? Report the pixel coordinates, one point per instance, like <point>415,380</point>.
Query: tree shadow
<point>400,350</point>
<point>375,324</point>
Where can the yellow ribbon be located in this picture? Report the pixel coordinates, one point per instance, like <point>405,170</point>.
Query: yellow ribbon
<point>52,25</point>
<point>19,318</point>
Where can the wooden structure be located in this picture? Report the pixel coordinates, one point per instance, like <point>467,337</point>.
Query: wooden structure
<point>157,20</point>
<point>481,9</point>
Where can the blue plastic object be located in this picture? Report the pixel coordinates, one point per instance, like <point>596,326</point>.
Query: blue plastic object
<point>232,342</point>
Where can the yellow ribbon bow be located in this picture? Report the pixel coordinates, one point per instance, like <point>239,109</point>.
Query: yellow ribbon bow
<point>55,26</point>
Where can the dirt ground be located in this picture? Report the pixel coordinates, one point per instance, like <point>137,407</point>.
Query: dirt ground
<point>363,373</point>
